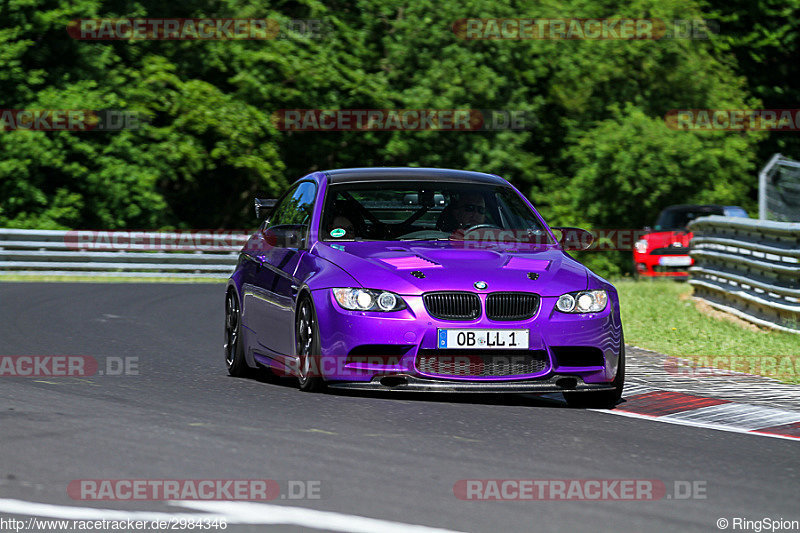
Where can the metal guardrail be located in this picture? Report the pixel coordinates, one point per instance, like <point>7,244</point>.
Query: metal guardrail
<point>749,268</point>
<point>184,254</point>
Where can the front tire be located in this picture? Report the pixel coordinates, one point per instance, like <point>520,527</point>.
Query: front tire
<point>307,347</point>
<point>606,399</point>
<point>234,351</point>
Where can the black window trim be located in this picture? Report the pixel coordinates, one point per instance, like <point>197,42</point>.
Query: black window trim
<point>289,191</point>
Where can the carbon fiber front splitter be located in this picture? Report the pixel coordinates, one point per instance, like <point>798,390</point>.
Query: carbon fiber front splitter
<point>407,383</point>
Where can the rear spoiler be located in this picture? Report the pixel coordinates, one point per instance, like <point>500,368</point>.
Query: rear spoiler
<point>263,205</point>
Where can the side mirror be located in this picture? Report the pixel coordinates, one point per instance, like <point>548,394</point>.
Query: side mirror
<point>264,205</point>
<point>289,236</point>
<point>575,239</point>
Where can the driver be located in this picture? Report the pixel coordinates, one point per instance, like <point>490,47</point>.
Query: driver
<point>469,210</point>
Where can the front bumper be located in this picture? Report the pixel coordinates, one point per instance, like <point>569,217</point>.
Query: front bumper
<point>412,332</point>
<point>648,265</point>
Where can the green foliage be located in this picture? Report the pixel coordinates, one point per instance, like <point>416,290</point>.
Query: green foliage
<point>638,166</point>
<point>597,154</point>
<point>763,39</point>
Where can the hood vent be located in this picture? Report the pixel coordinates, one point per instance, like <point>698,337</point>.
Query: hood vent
<point>409,262</point>
<point>526,263</point>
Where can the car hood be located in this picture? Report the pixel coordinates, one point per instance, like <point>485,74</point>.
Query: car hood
<point>457,266</point>
<point>665,239</point>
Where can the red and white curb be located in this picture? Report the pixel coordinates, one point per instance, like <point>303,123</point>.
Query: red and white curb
<point>711,413</point>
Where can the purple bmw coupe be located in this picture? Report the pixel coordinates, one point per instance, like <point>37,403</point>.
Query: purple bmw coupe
<point>420,279</point>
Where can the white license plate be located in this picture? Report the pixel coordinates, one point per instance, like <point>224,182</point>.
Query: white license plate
<point>675,260</point>
<point>497,339</point>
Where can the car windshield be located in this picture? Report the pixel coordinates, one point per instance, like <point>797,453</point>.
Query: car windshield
<point>400,211</point>
<point>679,218</point>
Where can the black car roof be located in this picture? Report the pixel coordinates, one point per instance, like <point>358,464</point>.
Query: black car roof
<point>344,175</point>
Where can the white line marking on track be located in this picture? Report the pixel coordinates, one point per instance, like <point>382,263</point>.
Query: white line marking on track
<point>230,511</point>
<point>253,513</point>
<point>692,423</point>
<point>22,507</point>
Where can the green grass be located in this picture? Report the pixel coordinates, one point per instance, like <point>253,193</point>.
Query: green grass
<point>108,279</point>
<point>659,316</point>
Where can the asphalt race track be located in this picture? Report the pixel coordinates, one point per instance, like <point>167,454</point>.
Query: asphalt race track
<point>391,458</point>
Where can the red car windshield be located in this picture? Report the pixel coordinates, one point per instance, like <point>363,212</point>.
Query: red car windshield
<point>677,218</point>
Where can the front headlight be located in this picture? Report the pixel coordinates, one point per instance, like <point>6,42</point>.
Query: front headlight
<point>368,300</point>
<point>582,302</point>
<point>640,246</point>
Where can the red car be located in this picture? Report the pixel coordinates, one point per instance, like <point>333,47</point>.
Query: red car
<point>665,251</point>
